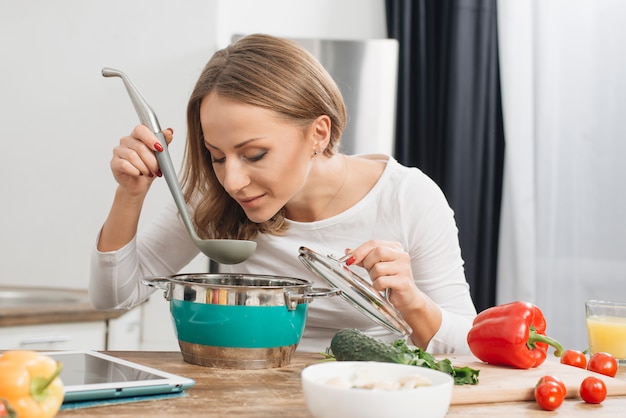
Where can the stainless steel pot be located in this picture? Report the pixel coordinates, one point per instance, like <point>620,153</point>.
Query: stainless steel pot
<point>242,321</point>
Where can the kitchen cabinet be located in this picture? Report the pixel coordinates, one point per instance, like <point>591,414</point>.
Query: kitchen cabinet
<point>63,319</point>
<point>63,336</point>
<point>122,333</point>
<point>158,333</point>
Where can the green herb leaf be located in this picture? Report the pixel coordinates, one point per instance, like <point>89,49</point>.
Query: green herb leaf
<point>462,375</point>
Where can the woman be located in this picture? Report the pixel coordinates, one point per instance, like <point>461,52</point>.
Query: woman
<point>262,163</point>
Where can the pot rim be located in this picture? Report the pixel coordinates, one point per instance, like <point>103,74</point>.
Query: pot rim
<point>197,279</point>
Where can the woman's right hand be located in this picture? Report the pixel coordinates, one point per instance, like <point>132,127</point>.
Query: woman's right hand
<point>134,164</point>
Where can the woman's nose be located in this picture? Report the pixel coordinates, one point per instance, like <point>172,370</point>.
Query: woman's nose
<point>235,178</point>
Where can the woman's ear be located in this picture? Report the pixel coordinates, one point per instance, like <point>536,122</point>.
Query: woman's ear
<point>320,133</point>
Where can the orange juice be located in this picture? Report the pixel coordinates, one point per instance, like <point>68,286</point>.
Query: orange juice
<point>607,334</point>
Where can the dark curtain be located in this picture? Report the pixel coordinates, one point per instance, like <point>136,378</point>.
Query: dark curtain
<point>449,120</point>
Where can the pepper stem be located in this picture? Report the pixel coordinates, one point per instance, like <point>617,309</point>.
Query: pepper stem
<point>535,337</point>
<point>39,384</point>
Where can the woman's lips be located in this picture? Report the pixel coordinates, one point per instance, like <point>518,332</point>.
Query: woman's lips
<point>250,202</point>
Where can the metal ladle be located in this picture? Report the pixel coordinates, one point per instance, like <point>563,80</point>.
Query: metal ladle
<point>225,251</point>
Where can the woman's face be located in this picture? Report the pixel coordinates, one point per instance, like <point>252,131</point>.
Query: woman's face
<point>260,160</point>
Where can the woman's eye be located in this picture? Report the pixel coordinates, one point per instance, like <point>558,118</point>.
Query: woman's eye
<point>257,156</point>
<point>253,158</point>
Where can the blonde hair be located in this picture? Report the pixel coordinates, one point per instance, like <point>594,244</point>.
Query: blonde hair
<point>265,71</point>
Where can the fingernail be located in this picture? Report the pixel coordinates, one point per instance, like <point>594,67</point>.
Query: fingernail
<point>150,175</point>
<point>159,173</point>
<point>344,258</point>
<point>171,130</point>
<point>350,261</point>
<point>158,146</point>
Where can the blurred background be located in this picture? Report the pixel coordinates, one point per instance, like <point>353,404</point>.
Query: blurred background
<point>514,108</point>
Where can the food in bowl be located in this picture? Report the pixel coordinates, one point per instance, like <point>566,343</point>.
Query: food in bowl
<point>366,377</point>
<point>375,389</point>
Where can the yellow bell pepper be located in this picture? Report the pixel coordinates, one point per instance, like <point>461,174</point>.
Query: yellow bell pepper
<point>30,384</point>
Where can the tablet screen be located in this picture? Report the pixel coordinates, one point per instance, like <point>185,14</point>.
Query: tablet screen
<point>84,369</point>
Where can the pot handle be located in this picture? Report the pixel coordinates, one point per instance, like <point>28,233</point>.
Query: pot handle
<point>292,299</point>
<point>159,282</point>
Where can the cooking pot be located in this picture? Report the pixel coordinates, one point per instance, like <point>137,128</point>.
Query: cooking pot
<point>238,321</point>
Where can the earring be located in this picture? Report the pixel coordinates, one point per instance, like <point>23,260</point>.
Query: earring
<point>315,153</point>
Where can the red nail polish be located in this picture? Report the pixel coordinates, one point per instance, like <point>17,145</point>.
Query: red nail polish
<point>158,146</point>
<point>159,173</point>
<point>350,261</point>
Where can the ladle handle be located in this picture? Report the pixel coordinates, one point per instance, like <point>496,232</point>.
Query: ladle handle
<point>148,118</point>
<point>167,168</point>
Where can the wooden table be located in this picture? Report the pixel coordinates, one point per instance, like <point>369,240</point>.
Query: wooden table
<point>278,393</point>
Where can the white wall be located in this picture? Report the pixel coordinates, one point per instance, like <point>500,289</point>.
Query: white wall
<point>60,119</point>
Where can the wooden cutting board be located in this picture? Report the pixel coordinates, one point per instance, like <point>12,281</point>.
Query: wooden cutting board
<point>503,384</point>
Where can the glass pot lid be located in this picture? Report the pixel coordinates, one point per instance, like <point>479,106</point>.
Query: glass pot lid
<point>356,290</point>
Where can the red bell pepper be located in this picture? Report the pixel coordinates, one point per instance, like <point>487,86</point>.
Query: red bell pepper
<point>512,334</point>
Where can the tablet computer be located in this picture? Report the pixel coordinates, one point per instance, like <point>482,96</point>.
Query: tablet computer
<point>91,375</point>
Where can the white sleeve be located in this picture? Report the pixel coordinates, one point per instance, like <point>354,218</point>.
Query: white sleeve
<point>437,263</point>
<point>162,249</point>
<point>452,334</point>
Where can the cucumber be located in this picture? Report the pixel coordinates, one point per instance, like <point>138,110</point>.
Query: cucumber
<point>350,344</point>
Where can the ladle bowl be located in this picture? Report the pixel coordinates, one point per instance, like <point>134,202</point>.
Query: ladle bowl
<point>225,251</point>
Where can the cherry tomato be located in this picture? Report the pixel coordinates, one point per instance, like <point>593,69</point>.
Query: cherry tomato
<point>574,358</point>
<point>554,379</point>
<point>603,363</point>
<point>549,395</point>
<point>593,390</point>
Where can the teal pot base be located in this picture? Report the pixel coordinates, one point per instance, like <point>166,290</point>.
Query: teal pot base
<point>236,358</point>
<point>258,327</point>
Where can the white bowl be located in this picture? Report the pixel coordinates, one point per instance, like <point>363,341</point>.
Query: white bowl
<point>325,399</point>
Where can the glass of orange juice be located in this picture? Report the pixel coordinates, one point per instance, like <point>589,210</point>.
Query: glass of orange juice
<point>606,328</point>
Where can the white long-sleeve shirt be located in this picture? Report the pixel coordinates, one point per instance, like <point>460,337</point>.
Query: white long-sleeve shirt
<point>405,206</point>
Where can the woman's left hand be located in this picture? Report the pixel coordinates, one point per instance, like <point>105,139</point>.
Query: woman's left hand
<point>389,267</point>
